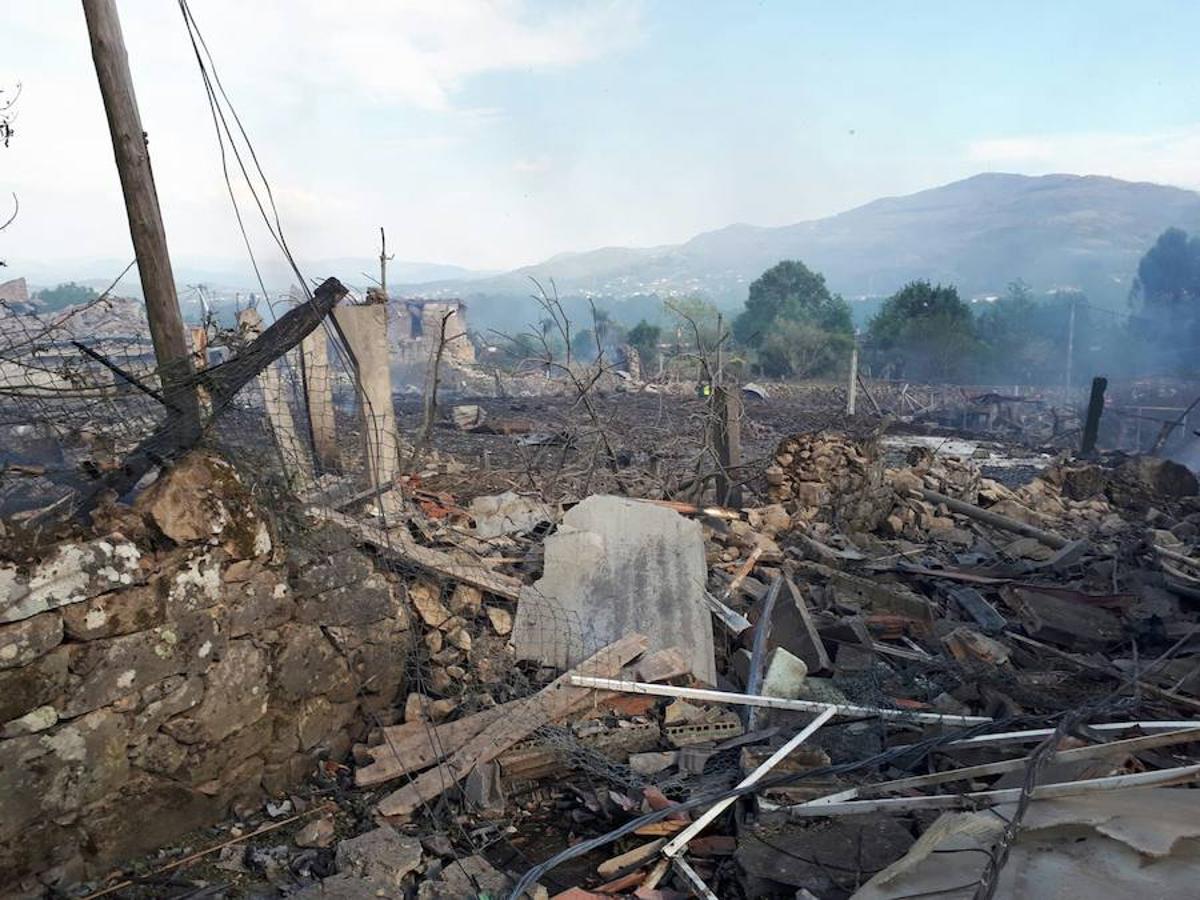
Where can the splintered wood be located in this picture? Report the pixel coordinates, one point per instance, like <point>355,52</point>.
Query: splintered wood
<point>557,699</point>
<point>399,545</point>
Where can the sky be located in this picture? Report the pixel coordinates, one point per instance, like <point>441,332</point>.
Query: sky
<point>495,134</point>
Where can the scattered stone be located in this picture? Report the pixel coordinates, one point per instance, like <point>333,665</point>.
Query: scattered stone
<point>501,619</point>
<point>460,638</point>
<point>652,763</point>
<point>784,676</point>
<point>466,600</point>
<point>426,599</point>
<point>434,641</point>
<point>318,833</point>
<point>381,856</point>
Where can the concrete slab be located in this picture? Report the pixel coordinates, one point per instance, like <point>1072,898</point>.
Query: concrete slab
<point>618,566</point>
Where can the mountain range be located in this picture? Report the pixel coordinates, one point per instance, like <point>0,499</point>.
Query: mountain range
<point>1053,231</point>
<point>981,233</point>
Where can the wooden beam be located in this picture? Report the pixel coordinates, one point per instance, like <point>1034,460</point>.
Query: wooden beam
<point>550,703</point>
<point>996,520</point>
<point>399,545</point>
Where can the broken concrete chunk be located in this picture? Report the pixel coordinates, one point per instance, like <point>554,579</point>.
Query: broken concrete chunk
<point>615,567</point>
<point>784,676</point>
<point>381,856</point>
<point>652,763</point>
<point>509,513</point>
<point>71,574</point>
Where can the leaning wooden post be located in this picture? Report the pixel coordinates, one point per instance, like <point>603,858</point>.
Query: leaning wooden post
<point>1091,424</point>
<point>728,408</point>
<point>365,328</point>
<point>296,464</point>
<point>852,386</point>
<point>145,219</point>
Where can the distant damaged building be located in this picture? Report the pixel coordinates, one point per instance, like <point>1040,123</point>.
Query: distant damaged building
<point>421,325</point>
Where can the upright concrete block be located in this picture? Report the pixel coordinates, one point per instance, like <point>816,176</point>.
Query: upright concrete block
<point>617,566</point>
<point>365,328</point>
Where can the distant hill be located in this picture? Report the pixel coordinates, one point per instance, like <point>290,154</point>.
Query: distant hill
<point>1086,232</point>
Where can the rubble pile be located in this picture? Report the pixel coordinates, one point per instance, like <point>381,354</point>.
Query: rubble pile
<point>828,476</point>
<point>513,697</point>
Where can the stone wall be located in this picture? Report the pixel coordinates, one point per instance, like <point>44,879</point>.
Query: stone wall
<point>181,667</point>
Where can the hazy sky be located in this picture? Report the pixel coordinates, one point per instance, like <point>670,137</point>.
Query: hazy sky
<point>492,134</point>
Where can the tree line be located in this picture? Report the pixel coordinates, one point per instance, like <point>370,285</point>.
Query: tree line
<point>794,326</point>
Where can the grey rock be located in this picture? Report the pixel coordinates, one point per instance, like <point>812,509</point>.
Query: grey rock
<point>23,642</point>
<point>381,855</point>
<point>116,667</point>
<point>262,601</point>
<point>39,683</point>
<point>237,696</point>
<point>74,572</point>
<point>359,603</point>
<point>137,608</point>
<point>309,665</point>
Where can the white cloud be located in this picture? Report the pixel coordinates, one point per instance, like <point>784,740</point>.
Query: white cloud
<point>1165,157</point>
<point>356,109</point>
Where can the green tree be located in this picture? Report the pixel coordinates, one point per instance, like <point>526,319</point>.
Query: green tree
<point>68,294</point>
<point>924,331</point>
<point>790,291</point>
<point>643,337</point>
<point>803,350</point>
<point>1167,292</point>
<point>583,345</point>
<point>692,319</point>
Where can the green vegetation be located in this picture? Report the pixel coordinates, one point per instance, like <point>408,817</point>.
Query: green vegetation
<point>790,292</point>
<point>643,337</point>
<point>1166,294</point>
<point>798,327</point>
<point>924,332</point>
<point>65,295</point>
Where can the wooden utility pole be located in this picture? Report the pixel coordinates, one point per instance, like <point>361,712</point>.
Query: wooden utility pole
<point>1091,424</point>
<point>383,261</point>
<point>727,407</point>
<point>852,385</point>
<point>145,220</point>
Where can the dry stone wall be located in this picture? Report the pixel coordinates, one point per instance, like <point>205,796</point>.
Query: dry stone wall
<point>182,667</point>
